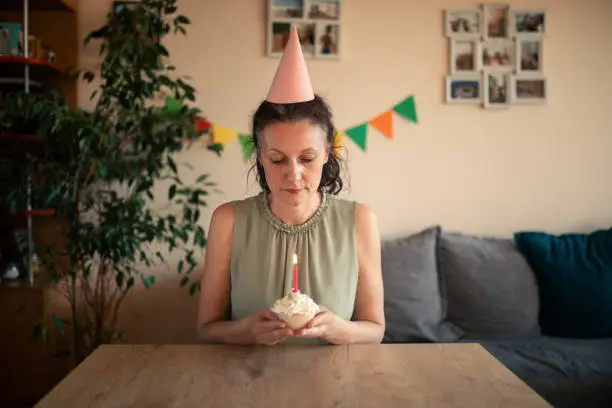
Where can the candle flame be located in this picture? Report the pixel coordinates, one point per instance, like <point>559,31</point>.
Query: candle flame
<point>295,260</point>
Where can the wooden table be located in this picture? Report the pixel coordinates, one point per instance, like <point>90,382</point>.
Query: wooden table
<point>415,375</point>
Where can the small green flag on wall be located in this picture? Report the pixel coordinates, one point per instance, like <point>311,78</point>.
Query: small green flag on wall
<point>248,147</point>
<point>358,134</point>
<point>407,109</point>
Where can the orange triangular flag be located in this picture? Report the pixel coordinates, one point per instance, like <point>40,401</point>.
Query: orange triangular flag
<point>384,123</point>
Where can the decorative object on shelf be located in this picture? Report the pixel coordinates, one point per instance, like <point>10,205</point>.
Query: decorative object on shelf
<point>496,56</point>
<point>120,5</point>
<point>318,23</point>
<point>11,36</point>
<point>384,123</point>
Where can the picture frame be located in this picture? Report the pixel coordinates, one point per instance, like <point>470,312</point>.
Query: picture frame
<point>496,90</point>
<point>318,23</point>
<point>465,56</point>
<point>529,55</point>
<point>532,90</point>
<point>463,24</point>
<point>329,44</point>
<point>528,23</point>
<point>118,5</point>
<point>495,20</point>
<point>498,54</point>
<point>464,89</point>
<point>508,46</point>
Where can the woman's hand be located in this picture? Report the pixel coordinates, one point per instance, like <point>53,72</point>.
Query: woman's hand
<point>327,326</point>
<point>264,327</point>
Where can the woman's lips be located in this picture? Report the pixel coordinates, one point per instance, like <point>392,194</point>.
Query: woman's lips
<point>293,190</point>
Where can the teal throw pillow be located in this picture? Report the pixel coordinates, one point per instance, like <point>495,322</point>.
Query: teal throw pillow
<point>574,274</point>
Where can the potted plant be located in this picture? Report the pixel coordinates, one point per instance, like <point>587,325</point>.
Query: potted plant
<point>114,162</point>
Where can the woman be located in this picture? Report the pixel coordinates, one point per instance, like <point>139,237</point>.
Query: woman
<point>251,242</point>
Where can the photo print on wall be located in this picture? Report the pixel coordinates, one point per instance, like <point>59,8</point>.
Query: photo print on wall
<point>495,56</point>
<point>318,23</point>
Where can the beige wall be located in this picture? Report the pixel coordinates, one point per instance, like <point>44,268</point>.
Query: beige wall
<point>485,172</point>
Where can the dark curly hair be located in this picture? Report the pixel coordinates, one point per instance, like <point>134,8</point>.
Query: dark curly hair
<point>318,113</point>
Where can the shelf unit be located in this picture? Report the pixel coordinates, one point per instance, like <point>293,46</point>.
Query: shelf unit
<point>40,18</point>
<point>30,367</point>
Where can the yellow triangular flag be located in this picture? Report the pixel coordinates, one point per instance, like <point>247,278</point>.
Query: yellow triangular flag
<point>338,138</point>
<point>222,135</point>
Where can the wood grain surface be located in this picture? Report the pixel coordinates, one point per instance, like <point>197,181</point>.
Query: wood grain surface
<point>407,375</point>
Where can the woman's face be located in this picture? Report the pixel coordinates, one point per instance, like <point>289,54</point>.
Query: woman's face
<point>293,155</point>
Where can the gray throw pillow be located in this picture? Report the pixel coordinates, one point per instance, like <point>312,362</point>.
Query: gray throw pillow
<point>490,289</point>
<point>414,311</point>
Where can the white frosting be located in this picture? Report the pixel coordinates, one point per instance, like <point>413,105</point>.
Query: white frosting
<point>295,304</point>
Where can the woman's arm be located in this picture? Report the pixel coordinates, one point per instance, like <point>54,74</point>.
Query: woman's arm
<point>369,326</point>
<point>214,325</point>
<point>214,320</point>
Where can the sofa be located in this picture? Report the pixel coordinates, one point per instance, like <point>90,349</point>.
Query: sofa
<point>540,303</point>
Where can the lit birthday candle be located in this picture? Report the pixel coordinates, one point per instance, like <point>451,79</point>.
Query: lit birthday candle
<point>295,274</point>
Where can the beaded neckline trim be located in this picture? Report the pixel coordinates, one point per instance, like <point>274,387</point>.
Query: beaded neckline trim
<point>293,229</point>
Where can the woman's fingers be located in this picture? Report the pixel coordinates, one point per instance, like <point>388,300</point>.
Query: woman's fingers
<point>311,332</point>
<point>268,314</point>
<point>264,326</point>
<point>274,336</point>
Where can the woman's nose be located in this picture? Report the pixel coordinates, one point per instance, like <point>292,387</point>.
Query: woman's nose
<point>294,172</point>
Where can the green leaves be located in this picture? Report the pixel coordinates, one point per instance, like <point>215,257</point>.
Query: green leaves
<point>118,183</point>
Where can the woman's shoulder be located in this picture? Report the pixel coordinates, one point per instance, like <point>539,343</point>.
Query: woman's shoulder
<point>226,211</point>
<point>357,206</point>
<point>362,212</point>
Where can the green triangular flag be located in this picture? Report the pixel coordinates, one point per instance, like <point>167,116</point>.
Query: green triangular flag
<point>248,147</point>
<point>358,135</point>
<point>172,105</point>
<point>407,109</point>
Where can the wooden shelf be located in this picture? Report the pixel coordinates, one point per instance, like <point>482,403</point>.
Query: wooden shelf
<point>39,5</point>
<point>40,70</point>
<point>34,213</point>
<point>15,147</point>
<point>15,136</point>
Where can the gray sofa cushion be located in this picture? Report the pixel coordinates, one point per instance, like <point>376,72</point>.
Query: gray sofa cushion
<point>490,288</point>
<point>414,310</point>
<point>566,372</point>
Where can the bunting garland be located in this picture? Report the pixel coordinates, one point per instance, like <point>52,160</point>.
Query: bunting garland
<point>383,123</point>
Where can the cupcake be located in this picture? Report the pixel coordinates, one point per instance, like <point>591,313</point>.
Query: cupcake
<point>296,308</point>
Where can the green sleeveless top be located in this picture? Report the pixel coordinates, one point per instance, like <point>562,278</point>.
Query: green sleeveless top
<point>262,257</point>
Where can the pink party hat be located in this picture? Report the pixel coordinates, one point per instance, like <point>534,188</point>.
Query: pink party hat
<point>291,82</point>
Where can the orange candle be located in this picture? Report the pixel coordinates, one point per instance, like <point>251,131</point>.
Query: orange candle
<point>295,274</point>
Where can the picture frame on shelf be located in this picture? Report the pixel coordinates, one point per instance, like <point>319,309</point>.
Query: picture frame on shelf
<point>528,22</point>
<point>318,23</point>
<point>529,53</point>
<point>119,5</point>
<point>465,56</point>
<point>464,89</point>
<point>495,20</point>
<point>530,90</point>
<point>463,24</point>
<point>498,54</point>
<point>496,91</point>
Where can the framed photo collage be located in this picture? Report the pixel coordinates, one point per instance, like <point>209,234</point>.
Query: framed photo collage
<point>317,22</point>
<point>496,56</point>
